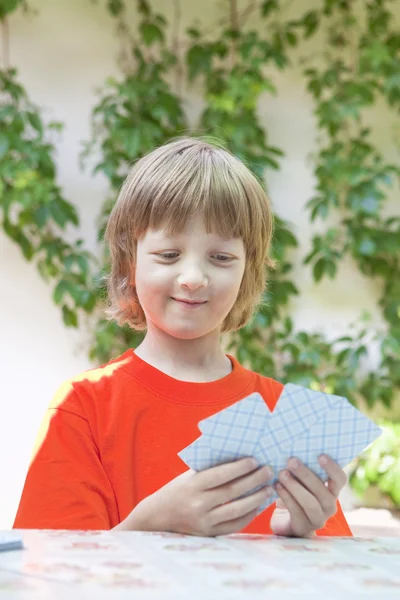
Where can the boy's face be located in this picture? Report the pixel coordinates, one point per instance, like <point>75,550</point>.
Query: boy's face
<point>188,283</point>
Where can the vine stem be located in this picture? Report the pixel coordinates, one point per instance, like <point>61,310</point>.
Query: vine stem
<point>5,43</point>
<point>176,45</point>
<point>234,22</point>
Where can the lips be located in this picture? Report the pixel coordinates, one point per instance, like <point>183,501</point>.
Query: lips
<point>190,302</point>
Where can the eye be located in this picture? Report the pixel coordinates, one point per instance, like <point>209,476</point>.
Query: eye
<point>223,258</point>
<point>168,255</point>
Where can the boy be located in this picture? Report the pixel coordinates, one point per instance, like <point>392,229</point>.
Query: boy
<point>189,238</point>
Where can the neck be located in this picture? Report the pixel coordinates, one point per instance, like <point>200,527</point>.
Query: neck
<point>198,360</point>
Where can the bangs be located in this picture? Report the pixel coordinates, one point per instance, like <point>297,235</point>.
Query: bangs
<point>195,182</point>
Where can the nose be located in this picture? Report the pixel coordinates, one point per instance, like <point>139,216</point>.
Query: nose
<point>192,277</point>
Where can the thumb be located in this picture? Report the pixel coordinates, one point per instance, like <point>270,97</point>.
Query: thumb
<point>281,522</point>
<point>280,505</point>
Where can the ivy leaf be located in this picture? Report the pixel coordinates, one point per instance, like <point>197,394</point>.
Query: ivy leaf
<point>268,6</point>
<point>291,38</point>
<point>88,300</point>
<point>115,7</point>
<point>16,234</point>
<point>198,60</point>
<point>193,32</point>
<point>60,290</point>
<point>8,6</point>
<point>144,8</point>
<point>70,317</point>
<point>35,122</point>
<point>324,266</point>
<point>310,23</point>
<point>41,215</point>
<point>151,33</point>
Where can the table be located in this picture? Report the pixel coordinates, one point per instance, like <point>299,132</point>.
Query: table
<point>100,565</point>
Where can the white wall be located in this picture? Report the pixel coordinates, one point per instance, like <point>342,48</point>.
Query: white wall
<point>62,54</point>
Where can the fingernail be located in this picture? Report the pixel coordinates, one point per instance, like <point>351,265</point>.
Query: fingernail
<point>294,463</point>
<point>253,463</point>
<point>269,491</point>
<point>323,460</point>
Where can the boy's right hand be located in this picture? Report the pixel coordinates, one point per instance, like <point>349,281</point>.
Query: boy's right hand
<point>204,503</point>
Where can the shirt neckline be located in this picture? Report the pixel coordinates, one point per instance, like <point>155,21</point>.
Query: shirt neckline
<point>230,387</point>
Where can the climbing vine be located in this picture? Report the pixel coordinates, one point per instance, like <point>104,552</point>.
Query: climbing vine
<point>234,64</point>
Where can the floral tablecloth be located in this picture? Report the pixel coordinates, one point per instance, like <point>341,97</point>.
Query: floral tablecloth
<point>99,565</point>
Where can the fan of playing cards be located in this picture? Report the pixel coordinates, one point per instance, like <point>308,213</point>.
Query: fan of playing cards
<point>304,424</point>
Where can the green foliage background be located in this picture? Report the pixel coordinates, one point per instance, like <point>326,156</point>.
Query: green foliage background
<point>234,65</point>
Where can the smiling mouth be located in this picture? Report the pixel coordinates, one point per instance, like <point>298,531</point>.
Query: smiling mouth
<point>192,303</point>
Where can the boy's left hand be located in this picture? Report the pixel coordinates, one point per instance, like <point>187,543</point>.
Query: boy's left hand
<point>306,502</point>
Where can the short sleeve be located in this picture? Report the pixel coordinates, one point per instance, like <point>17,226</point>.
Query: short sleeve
<point>66,486</point>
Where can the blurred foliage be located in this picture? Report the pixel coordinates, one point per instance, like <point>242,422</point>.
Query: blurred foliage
<point>361,67</point>
<point>34,212</point>
<point>234,67</point>
<point>378,468</point>
<point>9,6</point>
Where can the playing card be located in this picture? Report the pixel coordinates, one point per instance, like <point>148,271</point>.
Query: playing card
<point>199,455</point>
<point>238,428</point>
<point>304,424</point>
<point>10,540</point>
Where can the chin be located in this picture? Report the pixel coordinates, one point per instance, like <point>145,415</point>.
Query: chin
<point>184,333</point>
<point>187,335</point>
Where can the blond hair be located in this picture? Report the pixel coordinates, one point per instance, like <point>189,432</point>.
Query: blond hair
<point>167,187</point>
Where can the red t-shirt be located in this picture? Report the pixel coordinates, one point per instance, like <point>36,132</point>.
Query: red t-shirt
<point>111,436</point>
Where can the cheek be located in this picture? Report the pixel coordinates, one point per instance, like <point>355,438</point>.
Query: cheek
<point>227,286</point>
<point>150,280</point>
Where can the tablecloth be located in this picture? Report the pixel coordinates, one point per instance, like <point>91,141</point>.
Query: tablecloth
<point>138,565</point>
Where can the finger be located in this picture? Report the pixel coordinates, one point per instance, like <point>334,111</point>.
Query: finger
<point>314,484</point>
<point>217,476</point>
<point>299,523</point>
<point>337,477</point>
<point>239,508</point>
<point>238,487</point>
<point>304,498</point>
<point>280,505</point>
<point>235,525</point>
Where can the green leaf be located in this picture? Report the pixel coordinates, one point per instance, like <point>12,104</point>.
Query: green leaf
<point>151,33</point>
<point>60,290</point>
<point>291,38</point>
<point>198,60</point>
<point>41,215</point>
<point>83,264</point>
<point>70,317</point>
<point>319,269</point>
<point>144,8</point>
<point>7,7</point>
<point>115,7</point>
<point>25,245</point>
<point>35,122</point>
<point>57,214</point>
<point>88,300</point>
<point>310,23</point>
<point>193,32</point>
<point>268,6</point>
